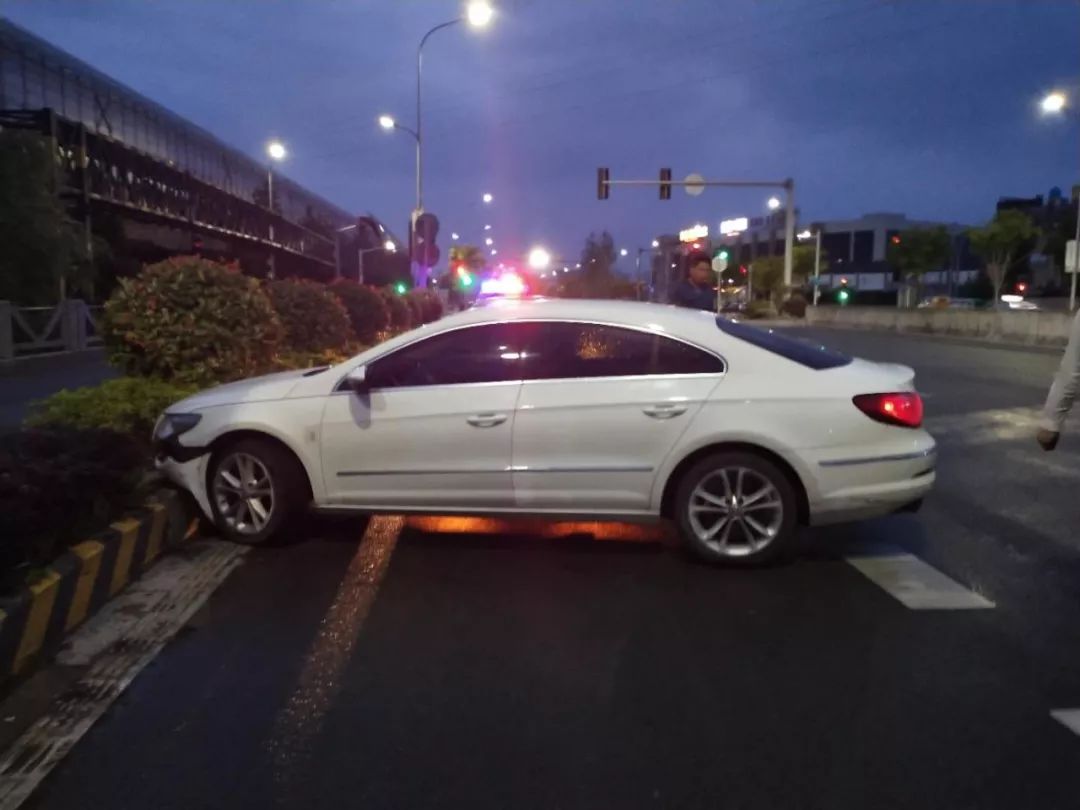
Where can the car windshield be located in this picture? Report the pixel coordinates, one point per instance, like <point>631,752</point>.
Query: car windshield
<point>804,352</point>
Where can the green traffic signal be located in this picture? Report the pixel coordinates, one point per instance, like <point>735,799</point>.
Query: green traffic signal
<point>843,296</point>
<point>400,288</point>
<point>723,254</point>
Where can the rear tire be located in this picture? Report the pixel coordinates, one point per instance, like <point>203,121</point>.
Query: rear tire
<point>256,488</point>
<point>738,509</point>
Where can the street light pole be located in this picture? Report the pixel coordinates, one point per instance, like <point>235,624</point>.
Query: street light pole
<point>817,264</point>
<point>789,233</point>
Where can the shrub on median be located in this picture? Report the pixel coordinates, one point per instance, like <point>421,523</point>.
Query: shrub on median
<point>128,405</point>
<point>313,318</point>
<point>367,310</point>
<point>57,486</point>
<point>430,305</point>
<point>192,320</point>
<point>400,313</point>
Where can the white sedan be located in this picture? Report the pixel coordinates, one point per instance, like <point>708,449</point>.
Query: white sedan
<point>605,409</point>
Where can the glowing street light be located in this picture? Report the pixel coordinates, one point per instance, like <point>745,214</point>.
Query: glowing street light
<point>479,13</point>
<point>623,251</point>
<point>494,252</point>
<point>774,203</point>
<point>1053,102</point>
<point>656,243</point>
<point>487,227</point>
<point>539,258</point>
<point>389,246</point>
<point>276,150</point>
<point>489,241</point>
<point>386,121</point>
<point>804,234</point>
<point>454,236</point>
<point>487,198</point>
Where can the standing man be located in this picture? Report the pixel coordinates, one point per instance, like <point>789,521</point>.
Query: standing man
<point>696,291</point>
<point>1063,391</point>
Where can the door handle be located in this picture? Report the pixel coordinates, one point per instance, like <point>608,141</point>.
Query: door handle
<point>484,420</point>
<point>666,411</point>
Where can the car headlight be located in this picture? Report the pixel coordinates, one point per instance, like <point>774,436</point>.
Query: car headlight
<point>171,425</point>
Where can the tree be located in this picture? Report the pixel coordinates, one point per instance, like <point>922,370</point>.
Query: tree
<point>598,257</point>
<point>802,263</point>
<point>999,243</point>
<point>44,249</point>
<point>470,256</point>
<point>767,276</point>
<point>915,252</point>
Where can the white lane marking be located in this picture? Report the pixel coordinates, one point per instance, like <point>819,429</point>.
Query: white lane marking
<point>916,584</point>
<point>1070,718</point>
<point>122,639</point>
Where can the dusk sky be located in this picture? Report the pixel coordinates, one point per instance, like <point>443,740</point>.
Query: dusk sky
<point>925,108</point>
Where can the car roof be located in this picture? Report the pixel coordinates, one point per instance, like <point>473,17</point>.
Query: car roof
<point>638,314</point>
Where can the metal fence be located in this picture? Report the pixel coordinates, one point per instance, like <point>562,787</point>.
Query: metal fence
<point>69,326</point>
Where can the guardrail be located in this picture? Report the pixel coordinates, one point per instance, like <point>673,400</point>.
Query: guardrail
<point>1037,328</point>
<point>69,326</point>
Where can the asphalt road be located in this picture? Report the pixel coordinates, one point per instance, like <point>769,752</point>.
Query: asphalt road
<point>481,664</point>
<point>32,379</point>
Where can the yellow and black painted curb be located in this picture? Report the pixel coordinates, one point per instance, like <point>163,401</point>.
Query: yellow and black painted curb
<point>34,622</point>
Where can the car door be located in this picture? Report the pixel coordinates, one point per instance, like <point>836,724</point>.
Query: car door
<point>600,408</point>
<point>434,428</point>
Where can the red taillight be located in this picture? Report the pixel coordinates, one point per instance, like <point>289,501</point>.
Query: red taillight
<point>903,409</point>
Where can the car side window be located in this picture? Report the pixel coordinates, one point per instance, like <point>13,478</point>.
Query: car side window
<point>475,354</point>
<point>576,350</point>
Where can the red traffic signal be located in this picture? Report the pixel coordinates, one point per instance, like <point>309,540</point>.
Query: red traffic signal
<point>1021,286</point>
<point>665,184</point>
<point>603,180</point>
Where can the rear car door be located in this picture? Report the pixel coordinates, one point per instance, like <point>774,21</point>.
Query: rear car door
<point>434,430</point>
<point>600,408</point>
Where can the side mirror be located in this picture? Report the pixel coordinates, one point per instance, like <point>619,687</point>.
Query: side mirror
<point>357,380</point>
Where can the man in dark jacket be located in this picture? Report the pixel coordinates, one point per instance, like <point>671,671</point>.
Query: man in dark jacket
<point>696,291</point>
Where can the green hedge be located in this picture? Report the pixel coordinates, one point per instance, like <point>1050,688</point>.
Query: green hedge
<point>314,319</point>
<point>400,312</point>
<point>128,405</point>
<point>367,310</point>
<point>57,486</point>
<point>192,320</point>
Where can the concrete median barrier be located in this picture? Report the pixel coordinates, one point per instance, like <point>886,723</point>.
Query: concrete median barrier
<point>1033,328</point>
<point>35,620</point>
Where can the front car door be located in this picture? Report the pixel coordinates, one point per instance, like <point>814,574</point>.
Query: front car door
<point>600,408</point>
<point>434,430</point>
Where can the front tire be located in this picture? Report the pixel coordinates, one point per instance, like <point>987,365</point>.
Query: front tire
<point>255,488</point>
<point>737,508</point>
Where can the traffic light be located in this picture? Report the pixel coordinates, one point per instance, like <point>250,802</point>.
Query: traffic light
<point>603,177</point>
<point>723,254</point>
<point>401,288</point>
<point>844,294</point>
<point>425,251</point>
<point>665,184</point>
<point>464,277</point>
<point>1021,287</point>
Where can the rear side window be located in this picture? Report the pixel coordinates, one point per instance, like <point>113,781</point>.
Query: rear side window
<point>565,350</point>
<point>803,352</point>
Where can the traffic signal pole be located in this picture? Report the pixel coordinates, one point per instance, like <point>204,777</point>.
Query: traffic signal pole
<point>604,183</point>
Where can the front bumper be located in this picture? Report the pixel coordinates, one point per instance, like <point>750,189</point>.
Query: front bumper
<point>189,475</point>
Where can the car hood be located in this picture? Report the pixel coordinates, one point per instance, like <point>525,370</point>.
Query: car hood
<point>253,389</point>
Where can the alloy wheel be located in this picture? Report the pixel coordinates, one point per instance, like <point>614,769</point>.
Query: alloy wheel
<point>244,493</point>
<point>736,511</point>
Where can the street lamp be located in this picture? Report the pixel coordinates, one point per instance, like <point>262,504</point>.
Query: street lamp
<point>454,236</point>
<point>487,227</point>
<point>494,252</point>
<point>277,153</point>
<point>816,235</point>
<point>656,243</point>
<point>389,246</point>
<point>489,241</point>
<point>774,203</point>
<point>1053,102</point>
<point>623,251</point>
<point>539,258</point>
<point>487,198</point>
<point>386,121</point>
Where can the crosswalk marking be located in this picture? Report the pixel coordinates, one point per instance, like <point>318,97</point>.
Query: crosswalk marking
<point>916,584</point>
<point>1070,718</point>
